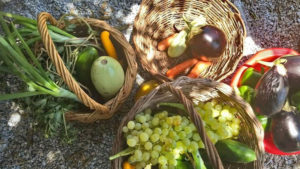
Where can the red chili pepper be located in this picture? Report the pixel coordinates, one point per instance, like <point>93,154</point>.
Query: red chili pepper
<point>267,55</point>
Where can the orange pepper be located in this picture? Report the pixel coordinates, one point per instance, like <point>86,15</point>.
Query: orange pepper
<point>127,165</point>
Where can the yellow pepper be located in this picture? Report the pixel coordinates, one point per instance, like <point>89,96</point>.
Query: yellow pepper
<point>108,45</point>
<point>145,88</point>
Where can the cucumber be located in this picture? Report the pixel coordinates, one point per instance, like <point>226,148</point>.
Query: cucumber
<point>234,151</point>
<point>83,65</point>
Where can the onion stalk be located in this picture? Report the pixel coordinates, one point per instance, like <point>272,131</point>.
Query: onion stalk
<point>16,57</point>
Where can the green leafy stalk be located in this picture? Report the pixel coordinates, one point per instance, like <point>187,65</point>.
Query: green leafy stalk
<point>175,105</point>
<point>19,95</point>
<point>125,152</point>
<point>20,60</point>
<point>29,52</point>
<point>34,22</point>
<point>11,54</point>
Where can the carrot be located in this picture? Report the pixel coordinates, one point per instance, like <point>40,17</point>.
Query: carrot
<point>198,68</point>
<point>127,165</point>
<point>165,43</point>
<point>171,73</point>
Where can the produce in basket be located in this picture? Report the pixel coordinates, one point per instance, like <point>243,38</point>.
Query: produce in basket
<point>204,41</point>
<point>49,98</point>
<point>215,32</point>
<point>98,109</point>
<point>162,138</point>
<point>107,76</point>
<point>23,55</point>
<point>283,110</point>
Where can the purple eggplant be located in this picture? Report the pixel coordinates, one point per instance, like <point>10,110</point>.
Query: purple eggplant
<point>293,70</point>
<point>271,91</point>
<point>285,129</point>
<point>210,43</point>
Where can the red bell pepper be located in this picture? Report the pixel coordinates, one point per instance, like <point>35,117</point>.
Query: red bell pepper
<point>267,55</point>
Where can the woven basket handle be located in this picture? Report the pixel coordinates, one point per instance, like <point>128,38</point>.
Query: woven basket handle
<point>209,146</point>
<point>61,69</point>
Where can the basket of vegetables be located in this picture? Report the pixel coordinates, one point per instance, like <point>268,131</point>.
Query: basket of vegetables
<point>87,66</point>
<point>189,123</point>
<point>112,75</point>
<point>190,37</point>
<point>269,81</point>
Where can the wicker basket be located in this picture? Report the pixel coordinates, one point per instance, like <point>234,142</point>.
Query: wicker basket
<point>100,111</point>
<point>200,90</point>
<point>156,19</point>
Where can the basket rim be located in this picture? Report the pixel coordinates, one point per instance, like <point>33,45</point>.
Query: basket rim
<point>162,77</point>
<point>102,111</point>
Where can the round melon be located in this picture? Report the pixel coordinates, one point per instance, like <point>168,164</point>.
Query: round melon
<point>107,76</point>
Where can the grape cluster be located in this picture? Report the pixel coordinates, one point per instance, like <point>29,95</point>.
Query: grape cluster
<point>161,138</point>
<point>220,120</point>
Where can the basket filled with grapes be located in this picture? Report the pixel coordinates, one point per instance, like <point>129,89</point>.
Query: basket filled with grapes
<point>189,124</point>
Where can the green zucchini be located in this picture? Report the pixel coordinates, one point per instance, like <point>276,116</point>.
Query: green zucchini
<point>83,65</point>
<point>234,151</point>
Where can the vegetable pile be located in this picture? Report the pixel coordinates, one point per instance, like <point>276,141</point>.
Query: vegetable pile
<point>274,95</point>
<point>165,139</point>
<point>98,71</point>
<point>203,42</point>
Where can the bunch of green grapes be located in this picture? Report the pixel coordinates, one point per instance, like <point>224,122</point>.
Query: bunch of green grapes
<point>160,139</point>
<point>221,121</point>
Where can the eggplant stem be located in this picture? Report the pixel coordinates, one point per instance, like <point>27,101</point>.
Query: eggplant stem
<point>287,107</point>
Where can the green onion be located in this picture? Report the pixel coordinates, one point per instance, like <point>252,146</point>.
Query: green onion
<point>35,76</point>
<point>30,27</point>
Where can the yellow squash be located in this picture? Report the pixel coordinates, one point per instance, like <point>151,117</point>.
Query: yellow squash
<point>108,45</point>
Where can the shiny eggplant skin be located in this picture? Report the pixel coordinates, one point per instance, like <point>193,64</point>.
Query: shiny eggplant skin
<point>293,70</point>
<point>210,43</point>
<point>285,130</point>
<point>271,92</point>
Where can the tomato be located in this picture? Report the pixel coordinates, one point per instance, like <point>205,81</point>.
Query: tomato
<point>267,55</point>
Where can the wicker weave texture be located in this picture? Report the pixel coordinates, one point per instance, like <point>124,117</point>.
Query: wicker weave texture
<point>156,19</point>
<point>100,111</point>
<point>187,91</point>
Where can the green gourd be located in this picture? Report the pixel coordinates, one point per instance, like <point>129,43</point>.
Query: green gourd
<point>107,76</point>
